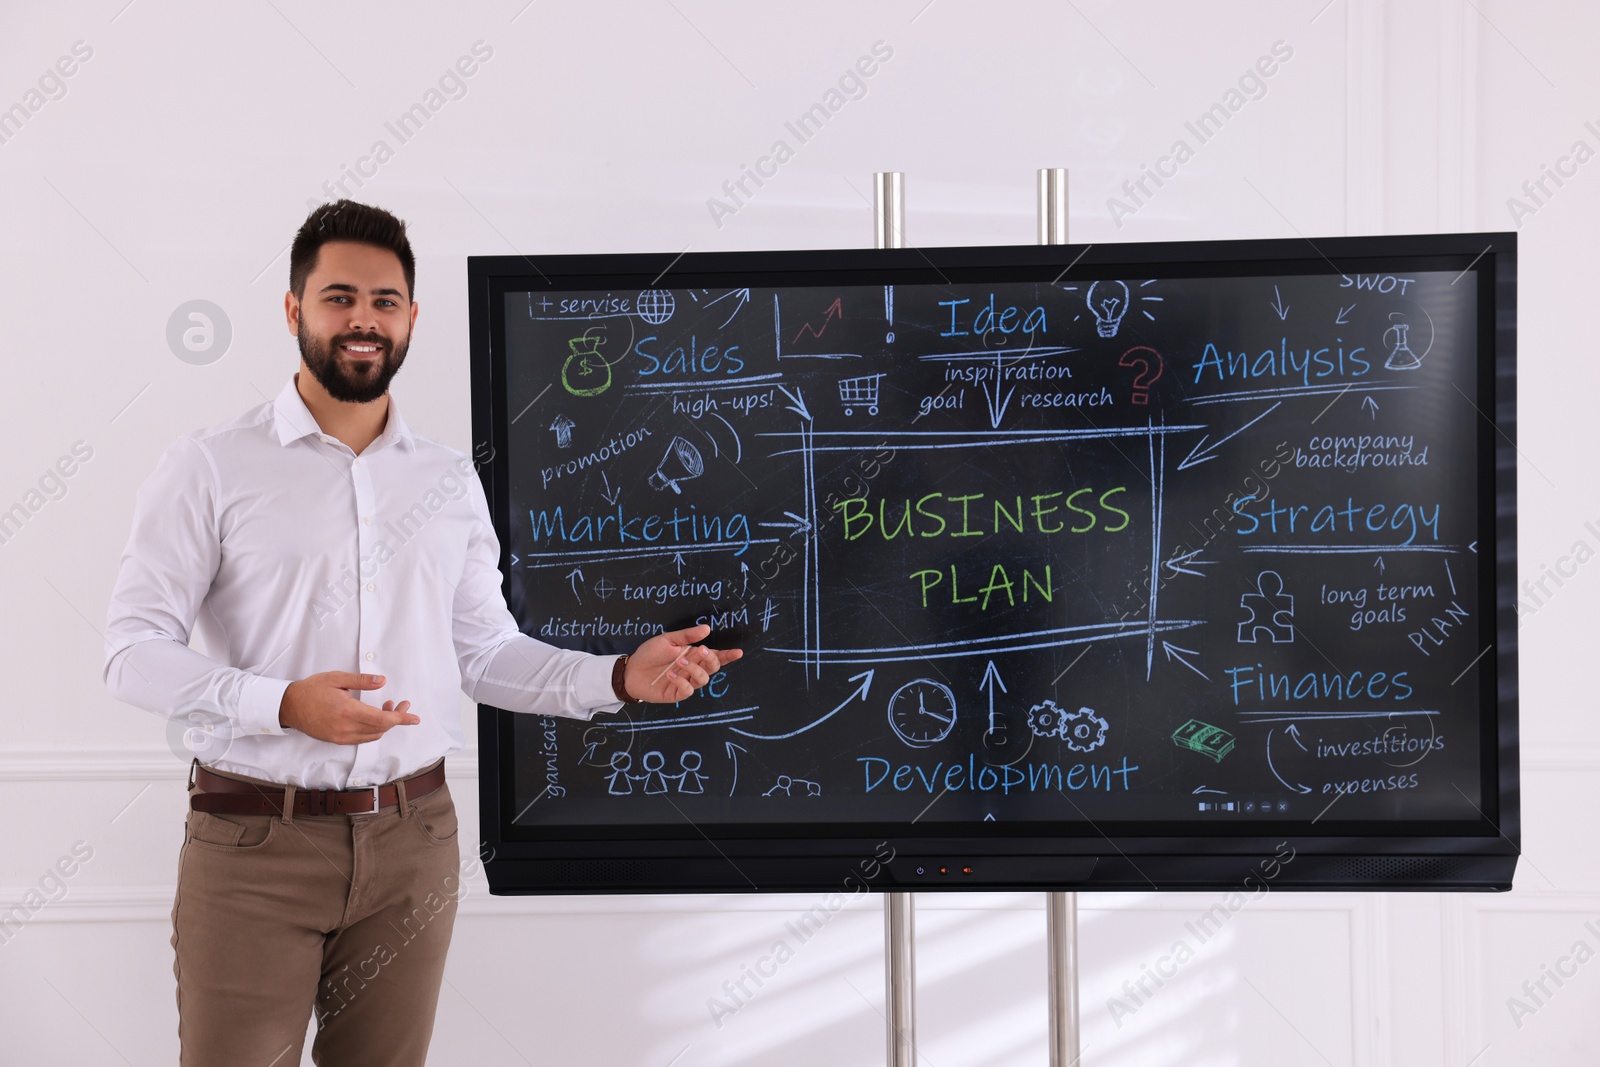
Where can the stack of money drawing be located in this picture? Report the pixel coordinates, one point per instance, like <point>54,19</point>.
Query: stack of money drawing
<point>1207,740</point>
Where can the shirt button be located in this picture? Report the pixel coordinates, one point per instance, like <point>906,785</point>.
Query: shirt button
<point>358,781</point>
<point>367,519</point>
<point>371,587</point>
<point>358,461</point>
<point>369,656</point>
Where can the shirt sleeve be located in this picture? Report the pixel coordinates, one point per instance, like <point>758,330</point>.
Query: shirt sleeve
<point>504,667</point>
<point>167,568</point>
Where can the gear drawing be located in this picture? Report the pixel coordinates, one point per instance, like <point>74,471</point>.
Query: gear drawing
<point>1045,719</point>
<point>1083,730</point>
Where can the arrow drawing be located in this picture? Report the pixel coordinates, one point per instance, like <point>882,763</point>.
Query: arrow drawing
<point>1277,305</point>
<point>1274,770</point>
<point>514,559</point>
<point>731,748</point>
<point>677,557</point>
<point>610,495</point>
<point>1339,319</point>
<point>1173,653</point>
<point>799,525</point>
<point>1372,404</point>
<point>744,577</point>
<point>861,691</point>
<point>744,298</point>
<point>835,310</point>
<point>1201,453</point>
<point>797,402</point>
<point>997,406</point>
<point>991,678</point>
<point>1205,789</point>
<point>1293,731</point>
<point>1176,565</point>
<point>575,576</point>
<point>1378,563</point>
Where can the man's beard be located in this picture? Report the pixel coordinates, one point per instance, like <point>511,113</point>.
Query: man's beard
<point>345,379</point>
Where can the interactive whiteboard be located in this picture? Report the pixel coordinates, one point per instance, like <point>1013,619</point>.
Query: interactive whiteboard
<point>1021,544</point>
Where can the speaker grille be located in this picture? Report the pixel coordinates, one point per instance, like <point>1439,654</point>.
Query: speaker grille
<point>1400,869</point>
<point>590,872</point>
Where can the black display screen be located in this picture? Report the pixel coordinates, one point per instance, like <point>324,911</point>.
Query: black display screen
<point>1202,545</point>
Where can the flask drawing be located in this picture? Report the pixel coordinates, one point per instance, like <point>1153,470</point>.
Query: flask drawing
<point>1401,358</point>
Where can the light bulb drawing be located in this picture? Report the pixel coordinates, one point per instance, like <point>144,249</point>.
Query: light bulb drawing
<point>1108,300</point>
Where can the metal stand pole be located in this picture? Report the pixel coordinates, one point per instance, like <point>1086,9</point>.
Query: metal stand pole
<point>899,949</point>
<point>1061,938</point>
<point>900,979</point>
<point>889,209</point>
<point>1061,909</point>
<point>1053,206</point>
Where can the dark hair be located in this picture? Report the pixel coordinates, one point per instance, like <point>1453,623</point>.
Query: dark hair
<point>346,220</point>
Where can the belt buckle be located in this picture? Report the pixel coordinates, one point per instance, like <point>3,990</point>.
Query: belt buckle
<point>376,807</point>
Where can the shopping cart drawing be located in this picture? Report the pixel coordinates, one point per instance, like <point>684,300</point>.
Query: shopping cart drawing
<point>860,393</point>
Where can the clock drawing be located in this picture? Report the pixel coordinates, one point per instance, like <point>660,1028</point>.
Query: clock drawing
<point>922,712</point>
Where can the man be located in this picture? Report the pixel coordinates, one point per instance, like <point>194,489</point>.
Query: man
<point>320,866</point>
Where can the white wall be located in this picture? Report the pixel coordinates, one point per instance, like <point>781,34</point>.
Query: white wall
<point>179,162</point>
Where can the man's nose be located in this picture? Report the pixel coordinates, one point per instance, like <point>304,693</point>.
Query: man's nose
<point>363,318</point>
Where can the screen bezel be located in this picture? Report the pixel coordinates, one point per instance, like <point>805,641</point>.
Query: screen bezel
<point>1489,258</point>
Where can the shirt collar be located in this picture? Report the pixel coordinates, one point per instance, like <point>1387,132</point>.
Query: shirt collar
<point>292,420</point>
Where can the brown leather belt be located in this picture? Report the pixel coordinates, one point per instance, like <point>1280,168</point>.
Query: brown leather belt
<point>227,796</point>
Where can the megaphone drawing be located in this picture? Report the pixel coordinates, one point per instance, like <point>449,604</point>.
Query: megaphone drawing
<point>682,462</point>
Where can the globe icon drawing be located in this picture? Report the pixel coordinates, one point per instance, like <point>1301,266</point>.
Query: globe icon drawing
<point>656,306</point>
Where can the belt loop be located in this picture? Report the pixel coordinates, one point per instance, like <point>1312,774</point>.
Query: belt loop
<point>400,791</point>
<point>288,804</point>
<point>194,765</point>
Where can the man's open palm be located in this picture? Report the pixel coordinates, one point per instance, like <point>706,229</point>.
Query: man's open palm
<point>671,666</point>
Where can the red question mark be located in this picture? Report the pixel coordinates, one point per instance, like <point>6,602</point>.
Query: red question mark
<point>1151,370</point>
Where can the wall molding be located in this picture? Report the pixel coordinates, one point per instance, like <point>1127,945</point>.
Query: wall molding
<point>1371,1005</point>
<point>1463,919</point>
<point>153,903</point>
<point>145,763</point>
<point>1458,117</point>
<point>1560,757</point>
<point>1365,55</point>
<point>64,763</point>
<point>1462,962</point>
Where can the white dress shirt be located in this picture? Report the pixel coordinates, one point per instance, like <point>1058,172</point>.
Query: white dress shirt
<point>289,555</point>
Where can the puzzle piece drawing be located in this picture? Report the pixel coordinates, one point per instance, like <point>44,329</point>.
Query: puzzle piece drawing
<point>1271,611</point>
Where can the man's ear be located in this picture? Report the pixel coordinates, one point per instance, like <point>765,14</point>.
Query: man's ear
<point>291,313</point>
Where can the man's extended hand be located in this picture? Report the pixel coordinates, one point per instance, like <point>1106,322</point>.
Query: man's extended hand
<point>669,667</point>
<point>322,707</point>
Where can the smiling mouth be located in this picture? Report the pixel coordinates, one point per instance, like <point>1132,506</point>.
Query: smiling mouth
<point>361,349</point>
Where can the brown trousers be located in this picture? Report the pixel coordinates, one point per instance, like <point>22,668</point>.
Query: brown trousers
<point>347,915</point>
